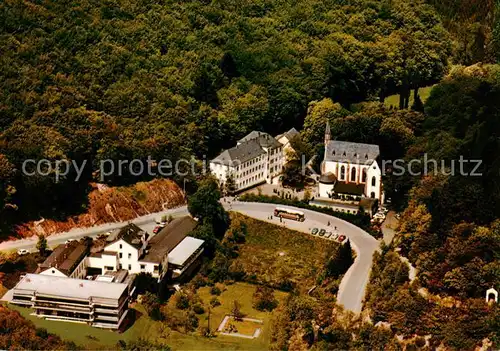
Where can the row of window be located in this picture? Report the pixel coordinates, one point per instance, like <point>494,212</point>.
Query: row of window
<point>275,151</point>
<point>250,180</point>
<point>249,163</point>
<point>353,175</point>
<point>245,173</point>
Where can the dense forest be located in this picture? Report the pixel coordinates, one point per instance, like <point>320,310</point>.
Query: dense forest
<point>96,80</point>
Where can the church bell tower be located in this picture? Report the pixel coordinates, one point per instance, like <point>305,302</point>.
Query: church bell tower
<point>328,133</point>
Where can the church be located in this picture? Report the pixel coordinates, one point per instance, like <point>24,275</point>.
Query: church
<point>350,171</point>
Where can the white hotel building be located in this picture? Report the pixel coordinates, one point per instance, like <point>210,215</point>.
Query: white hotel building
<point>257,158</point>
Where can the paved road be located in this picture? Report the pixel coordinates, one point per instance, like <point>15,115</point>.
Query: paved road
<point>352,287</point>
<point>145,222</point>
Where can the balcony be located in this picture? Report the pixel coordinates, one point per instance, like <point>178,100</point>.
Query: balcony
<point>55,307</point>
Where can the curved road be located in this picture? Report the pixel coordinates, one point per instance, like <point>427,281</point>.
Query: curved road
<point>352,287</point>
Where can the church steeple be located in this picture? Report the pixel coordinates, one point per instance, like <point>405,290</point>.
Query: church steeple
<point>328,133</point>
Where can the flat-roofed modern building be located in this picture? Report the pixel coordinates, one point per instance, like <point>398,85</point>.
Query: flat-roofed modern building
<point>96,303</point>
<point>162,245</point>
<point>184,254</point>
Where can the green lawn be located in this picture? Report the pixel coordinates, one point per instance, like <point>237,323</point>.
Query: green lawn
<point>393,100</point>
<point>98,339</point>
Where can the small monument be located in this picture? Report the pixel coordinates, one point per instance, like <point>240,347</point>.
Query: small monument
<point>491,295</point>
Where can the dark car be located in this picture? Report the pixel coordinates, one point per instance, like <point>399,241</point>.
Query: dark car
<point>314,231</point>
<point>322,232</point>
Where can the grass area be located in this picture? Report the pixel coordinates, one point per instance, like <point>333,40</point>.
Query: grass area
<point>274,254</point>
<point>393,100</point>
<point>99,339</point>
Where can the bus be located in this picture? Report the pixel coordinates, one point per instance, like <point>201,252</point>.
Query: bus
<point>288,213</point>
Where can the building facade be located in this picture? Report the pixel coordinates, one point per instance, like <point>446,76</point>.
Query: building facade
<point>257,158</point>
<point>96,303</point>
<point>350,169</point>
<point>67,260</point>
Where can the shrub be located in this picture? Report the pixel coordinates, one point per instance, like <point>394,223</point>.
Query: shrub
<point>420,342</point>
<point>214,302</point>
<point>214,290</point>
<point>263,299</point>
<point>182,301</point>
<point>198,309</point>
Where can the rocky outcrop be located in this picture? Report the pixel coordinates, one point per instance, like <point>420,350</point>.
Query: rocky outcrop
<point>112,204</point>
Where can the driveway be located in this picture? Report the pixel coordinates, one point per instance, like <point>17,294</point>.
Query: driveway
<point>389,227</point>
<point>353,285</point>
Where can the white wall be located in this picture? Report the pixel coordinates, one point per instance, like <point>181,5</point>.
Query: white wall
<point>325,189</point>
<point>103,262</point>
<point>149,267</point>
<point>128,256</point>
<point>374,171</point>
<point>80,271</point>
<point>54,272</point>
<point>219,171</point>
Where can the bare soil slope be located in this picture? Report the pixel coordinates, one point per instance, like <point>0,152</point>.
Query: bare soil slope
<point>112,205</point>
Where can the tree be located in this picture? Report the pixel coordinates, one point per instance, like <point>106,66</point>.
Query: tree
<point>204,204</point>
<point>263,299</point>
<point>152,305</point>
<point>41,245</point>
<point>229,184</point>
<point>340,261</point>
<point>318,113</point>
<point>236,311</point>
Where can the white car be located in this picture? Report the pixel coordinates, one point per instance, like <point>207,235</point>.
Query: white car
<point>379,216</point>
<point>69,241</point>
<point>22,252</point>
<point>383,210</point>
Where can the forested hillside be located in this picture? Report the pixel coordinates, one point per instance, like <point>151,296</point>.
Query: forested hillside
<point>95,80</point>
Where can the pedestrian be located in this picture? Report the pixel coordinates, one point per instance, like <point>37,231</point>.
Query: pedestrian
<point>328,223</point>
<point>335,227</point>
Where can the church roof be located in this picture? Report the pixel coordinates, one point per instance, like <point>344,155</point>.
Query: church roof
<point>349,152</point>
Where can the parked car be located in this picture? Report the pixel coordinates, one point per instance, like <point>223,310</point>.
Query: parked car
<point>89,277</point>
<point>157,229</point>
<point>383,209</point>
<point>328,234</point>
<point>314,231</point>
<point>69,241</point>
<point>322,232</point>
<point>342,238</point>
<point>22,252</point>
